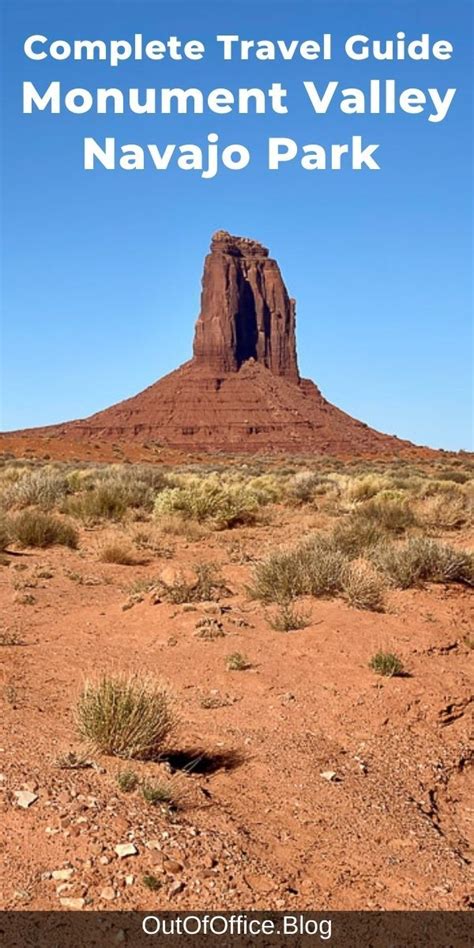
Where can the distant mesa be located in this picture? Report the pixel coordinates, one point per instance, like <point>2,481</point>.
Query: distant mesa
<point>241,391</point>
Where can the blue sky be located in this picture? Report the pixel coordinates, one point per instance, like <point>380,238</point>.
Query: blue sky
<point>102,269</point>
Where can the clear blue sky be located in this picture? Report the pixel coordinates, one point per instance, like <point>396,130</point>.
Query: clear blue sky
<point>102,269</point>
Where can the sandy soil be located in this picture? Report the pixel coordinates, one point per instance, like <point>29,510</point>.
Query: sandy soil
<point>257,823</point>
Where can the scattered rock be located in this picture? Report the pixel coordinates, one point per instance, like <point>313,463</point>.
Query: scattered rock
<point>172,866</point>
<point>153,844</point>
<point>75,905</point>
<point>330,775</point>
<point>108,893</point>
<point>62,875</point>
<point>176,888</point>
<point>25,798</point>
<point>126,849</point>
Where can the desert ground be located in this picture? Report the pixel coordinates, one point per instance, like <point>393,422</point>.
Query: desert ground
<point>236,683</point>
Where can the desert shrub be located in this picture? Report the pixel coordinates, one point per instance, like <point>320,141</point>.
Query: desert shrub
<point>421,559</point>
<point>387,664</point>
<point>117,552</point>
<point>209,500</point>
<point>105,502</point>
<point>139,484</point>
<point>5,533</point>
<point>43,488</point>
<point>366,486</point>
<point>355,535</point>
<point>363,586</point>
<point>107,493</point>
<point>312,568</point>
<point>79,478</point>
<point>457,477</point>
<point>151,882</point>
<point>444,511</point>
<point>288,619</point>
<point>37,529</point>
<point>431,487</point>
<point>301,488</point>
<point>237,662</point>
<point>265,488</point>
<point>127,781</point>
<point>392,513</point>
<point>127,717</point>
<point>201,588</point>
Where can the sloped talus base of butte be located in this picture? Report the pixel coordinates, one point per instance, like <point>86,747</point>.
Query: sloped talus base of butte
<point>245,411</point>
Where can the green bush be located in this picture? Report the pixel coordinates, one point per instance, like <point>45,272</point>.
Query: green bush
<point>387,664</point>
<point>209,500</point>
<point>127,780</point>
<point>127,717</point>
<point>366,486</point>
<point>37,529</point>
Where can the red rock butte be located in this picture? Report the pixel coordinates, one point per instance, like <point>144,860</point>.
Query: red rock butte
<point>241,391</point>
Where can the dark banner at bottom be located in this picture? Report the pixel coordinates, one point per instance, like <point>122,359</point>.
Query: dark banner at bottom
<point>272,929</point>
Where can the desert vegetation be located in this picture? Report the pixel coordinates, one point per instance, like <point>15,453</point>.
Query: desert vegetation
<point>198,647</point>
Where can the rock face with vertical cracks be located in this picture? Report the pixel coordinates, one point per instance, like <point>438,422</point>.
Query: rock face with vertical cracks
<point>241,391</point>
<point>246,312</point>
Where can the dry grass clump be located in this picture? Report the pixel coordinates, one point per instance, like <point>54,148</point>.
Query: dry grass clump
<point>288,619</point>
<point>209,500</point>
<point>150,540</point>
<point>174,525</point>
<point>160,793</point>
<point>126,716</point>
<point>386,664</point>
<point>421,559</point>
<point>119,552</point>
<point>37,529</point>
<point>364,587</point>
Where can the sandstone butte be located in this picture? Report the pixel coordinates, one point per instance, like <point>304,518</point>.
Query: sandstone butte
<point>241,391</point>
